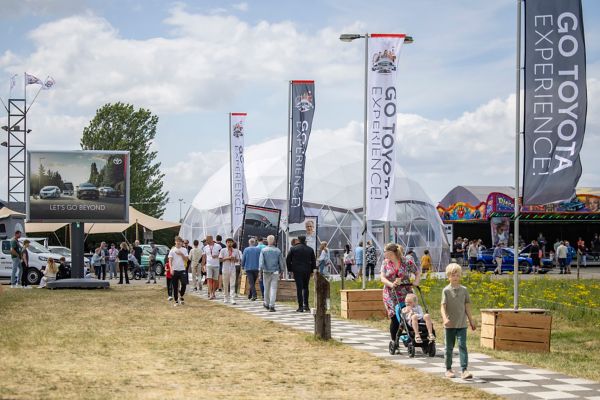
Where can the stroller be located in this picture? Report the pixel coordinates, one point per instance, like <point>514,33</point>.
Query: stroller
<point>406,332</point>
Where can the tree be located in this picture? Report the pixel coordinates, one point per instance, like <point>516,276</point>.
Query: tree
<point>119,127</point>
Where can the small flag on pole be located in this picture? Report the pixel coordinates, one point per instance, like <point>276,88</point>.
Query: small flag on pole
<point>49,84</point>
<point>32,80</point>
<point>13,81</point>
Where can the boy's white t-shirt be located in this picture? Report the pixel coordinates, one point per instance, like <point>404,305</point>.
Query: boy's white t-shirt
<point>178,262</point>
<point>226,253</point>
<point>210,251</point>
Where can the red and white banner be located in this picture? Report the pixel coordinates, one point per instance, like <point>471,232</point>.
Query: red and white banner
<point>239,193</point>
<point>383,53</point>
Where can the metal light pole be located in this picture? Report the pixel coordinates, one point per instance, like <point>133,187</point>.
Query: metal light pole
<point>348,37</point>
<point>517,155</point>
<point>180,202</point>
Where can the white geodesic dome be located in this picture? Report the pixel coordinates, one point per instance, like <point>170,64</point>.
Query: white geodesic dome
<point>333,192</point>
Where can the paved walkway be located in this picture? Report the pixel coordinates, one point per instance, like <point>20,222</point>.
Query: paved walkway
<point>507,379</point>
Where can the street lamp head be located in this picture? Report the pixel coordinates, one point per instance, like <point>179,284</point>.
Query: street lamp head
<point>348,37</point>
<point>28,130</point>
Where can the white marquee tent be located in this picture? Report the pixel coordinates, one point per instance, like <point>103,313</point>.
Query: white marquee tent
<point>333,192</point>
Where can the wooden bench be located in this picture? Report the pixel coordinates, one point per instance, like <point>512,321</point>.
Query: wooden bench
<point>527,329</point>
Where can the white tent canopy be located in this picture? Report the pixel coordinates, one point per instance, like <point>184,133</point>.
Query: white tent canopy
<point>135,217</point>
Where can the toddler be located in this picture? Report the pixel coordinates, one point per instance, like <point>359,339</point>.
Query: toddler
<point>413,313</point>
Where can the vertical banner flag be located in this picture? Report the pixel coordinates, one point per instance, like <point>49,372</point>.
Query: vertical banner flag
<point>239,193</point>
<point>384,50</point>
<point>555,100</point>
<point>303,111</point>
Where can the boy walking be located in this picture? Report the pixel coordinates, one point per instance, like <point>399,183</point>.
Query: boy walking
<point>456,310</point>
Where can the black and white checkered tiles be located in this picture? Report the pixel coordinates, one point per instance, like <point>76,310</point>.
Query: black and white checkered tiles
<point>507,379</point>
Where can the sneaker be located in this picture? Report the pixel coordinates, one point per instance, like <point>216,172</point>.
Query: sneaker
<point>466,375</point>
<point>272,309</point>
<point>147,282</point>
<point>253,299</point>
<point>181,301</point>
<point>175,304</point>
<point>13,286</point>
<point>306,308</point>
<point>170,298</point>
<point>300,309</point>
<point>26,287</point>
<point>233,302</point>
<point>265,306</point>
<point>450,374</point>
<point>224,300</point>
<point>249,297</point>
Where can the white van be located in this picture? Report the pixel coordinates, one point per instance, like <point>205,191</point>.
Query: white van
<point>38,258</point>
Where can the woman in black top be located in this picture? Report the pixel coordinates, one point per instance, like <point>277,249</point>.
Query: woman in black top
<point>123,263</point>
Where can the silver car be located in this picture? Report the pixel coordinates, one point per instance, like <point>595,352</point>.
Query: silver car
<point>50,192</point>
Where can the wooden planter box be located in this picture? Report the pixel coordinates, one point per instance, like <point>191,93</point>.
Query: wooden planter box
<point>527,329</point>
<point>245,286</point>
<point>362,304</point>
<point>286,290</point>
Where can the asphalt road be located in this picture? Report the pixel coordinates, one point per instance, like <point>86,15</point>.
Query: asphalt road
<point>71,208</point>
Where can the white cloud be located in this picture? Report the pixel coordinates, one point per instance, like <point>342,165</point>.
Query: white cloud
<point>240,6</point>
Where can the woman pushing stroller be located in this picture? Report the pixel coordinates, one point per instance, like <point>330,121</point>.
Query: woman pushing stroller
<point>395,275</point>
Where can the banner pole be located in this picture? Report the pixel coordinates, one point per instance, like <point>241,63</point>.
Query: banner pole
<point>288,166</point>
<point>517,155</point>
<point>230,182</point>
<point>364,232</point>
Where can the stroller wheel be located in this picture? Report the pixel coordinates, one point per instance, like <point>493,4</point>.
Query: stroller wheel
<point>411,350</point>
<point>392,347</point>
<point>431,349</point>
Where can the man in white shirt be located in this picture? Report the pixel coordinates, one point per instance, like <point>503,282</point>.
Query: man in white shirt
<point>196,258</point>
<point>229,257</point>
<point>178,258</point>
<point>211,262</point>
<point>561,254</point>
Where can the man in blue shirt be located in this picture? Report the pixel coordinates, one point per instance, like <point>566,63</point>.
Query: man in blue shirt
<point>358,257</point>
<point>250,260</point>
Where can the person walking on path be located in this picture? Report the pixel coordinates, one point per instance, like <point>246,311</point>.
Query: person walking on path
<point>211,262</point>
<point>426,263</point>
<point>152,262</point>
<point>196,259</point>
<point>561,255</point>
<point>323,257</point>
<point>123,263</point>
<point>348,262</point>
<point>358,258</point>
<point>220,279</point>
<point>113,254</point>
<point>534,254</point>
<point>25,264</point>
<point>456,309</point>
<point>271,265</point>
<point>301,261</point>
<point>16,254</point>
<point>497,256</point>
<point>371,260</point>
<point>472,254</point>
<point>228,257</point>
<point>395,276</point>
<point>178,258</point>
<point>250,263</point>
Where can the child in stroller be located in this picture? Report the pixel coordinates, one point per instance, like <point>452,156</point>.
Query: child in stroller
<point>423,336</point>
<point>414,316</point>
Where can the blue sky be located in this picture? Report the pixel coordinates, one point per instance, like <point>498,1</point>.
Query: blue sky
<point>192,62</point>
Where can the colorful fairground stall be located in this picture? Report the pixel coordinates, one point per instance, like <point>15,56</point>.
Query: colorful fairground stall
<point>487,212</point>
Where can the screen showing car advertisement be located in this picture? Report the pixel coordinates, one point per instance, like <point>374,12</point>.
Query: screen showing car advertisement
<point>259,222</point>
<point>78,186</point>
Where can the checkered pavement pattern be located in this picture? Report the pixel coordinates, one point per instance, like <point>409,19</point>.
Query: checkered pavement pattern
<point>503,378</point>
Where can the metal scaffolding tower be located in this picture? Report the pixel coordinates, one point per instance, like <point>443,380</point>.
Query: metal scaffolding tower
<point>17,150</point>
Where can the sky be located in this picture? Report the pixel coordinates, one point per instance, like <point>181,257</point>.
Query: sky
<point>191,63</point>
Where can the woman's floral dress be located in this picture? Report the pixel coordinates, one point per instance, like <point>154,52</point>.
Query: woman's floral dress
<point>391,272</point>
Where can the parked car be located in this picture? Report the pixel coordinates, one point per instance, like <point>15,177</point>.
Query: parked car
<point>66,252</point>
<point>38,258</point>
<point>50,192</point>
<point>68,189</point>
<point>87,190</point>
<point>107,191</point>
<point>161,257</point>
<point>486,262</point>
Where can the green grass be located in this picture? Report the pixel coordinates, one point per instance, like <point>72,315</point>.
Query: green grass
<point>575,341</point>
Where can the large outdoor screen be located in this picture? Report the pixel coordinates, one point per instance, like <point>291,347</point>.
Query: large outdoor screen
<point>78,186</point>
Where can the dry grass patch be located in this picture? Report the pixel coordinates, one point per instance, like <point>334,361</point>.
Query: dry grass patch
<point>130,343</point>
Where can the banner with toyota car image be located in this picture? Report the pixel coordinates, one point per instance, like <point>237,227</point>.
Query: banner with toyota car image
<point>78,186</point>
